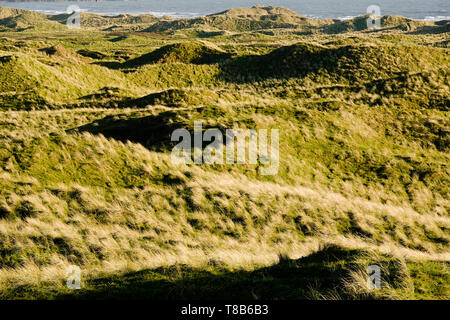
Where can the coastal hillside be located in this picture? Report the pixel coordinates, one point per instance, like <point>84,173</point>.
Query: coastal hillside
<point>232,20</point>
<point>87,177</point>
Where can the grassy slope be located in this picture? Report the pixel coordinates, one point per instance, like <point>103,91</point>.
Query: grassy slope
<point>363,122</point>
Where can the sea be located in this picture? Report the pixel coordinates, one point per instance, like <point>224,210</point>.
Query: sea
<point>320,9</point>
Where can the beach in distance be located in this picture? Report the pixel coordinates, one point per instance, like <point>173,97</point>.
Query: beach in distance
<point>320,9</point>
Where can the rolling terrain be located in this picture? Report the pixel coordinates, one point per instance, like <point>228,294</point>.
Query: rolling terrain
<point>86,176</point>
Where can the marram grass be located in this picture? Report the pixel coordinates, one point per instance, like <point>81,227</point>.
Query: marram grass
<point>86,176</point>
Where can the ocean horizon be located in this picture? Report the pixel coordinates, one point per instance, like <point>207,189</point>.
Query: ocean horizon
<point>432,10</point>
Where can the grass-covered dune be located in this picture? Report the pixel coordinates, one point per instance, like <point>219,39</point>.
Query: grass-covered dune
<point>86,176</point>
<point>232,20</point>
<point>352,63</point>
<point>187,52</point>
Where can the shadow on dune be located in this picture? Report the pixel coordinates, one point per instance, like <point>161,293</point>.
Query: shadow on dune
<point>349,63</point>
<point>296,61</point>
<point>153,132</point>
<point>289,279</point>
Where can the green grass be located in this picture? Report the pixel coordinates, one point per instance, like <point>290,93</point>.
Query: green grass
<point>86,176</point>
<point>321,275</point>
